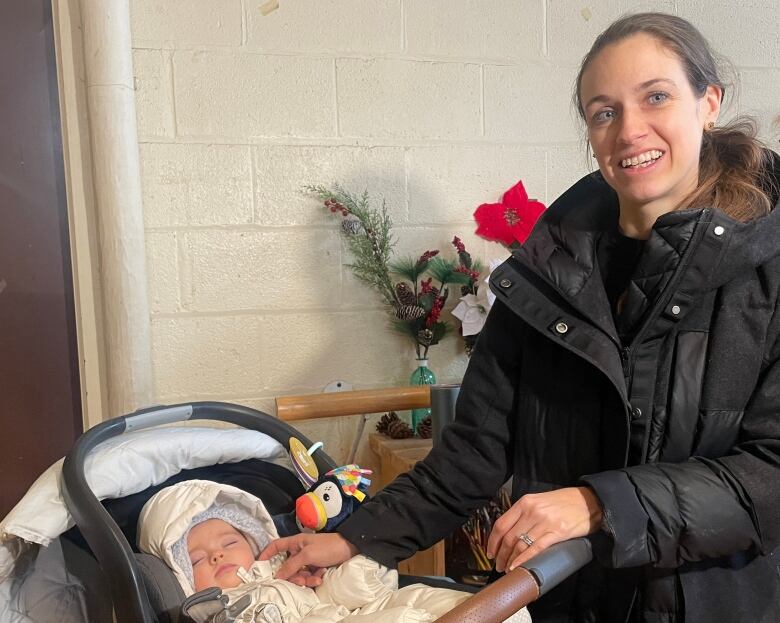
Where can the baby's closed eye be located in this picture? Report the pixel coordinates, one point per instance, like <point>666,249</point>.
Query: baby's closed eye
<point>197,558</point>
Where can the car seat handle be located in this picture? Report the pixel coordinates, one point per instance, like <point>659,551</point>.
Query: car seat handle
<point>162,415</point>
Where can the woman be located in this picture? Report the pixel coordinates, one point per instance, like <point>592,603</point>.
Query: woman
<point>627,375</point>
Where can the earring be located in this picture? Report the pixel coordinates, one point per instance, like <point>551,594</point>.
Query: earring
<point>593,154</point>
<point>709,126</point>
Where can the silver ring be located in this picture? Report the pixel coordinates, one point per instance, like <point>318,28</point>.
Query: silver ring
<point>526,539</point>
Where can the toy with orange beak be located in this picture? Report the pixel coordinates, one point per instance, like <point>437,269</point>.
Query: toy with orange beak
<point>332,498</point>
<point>328,500</point>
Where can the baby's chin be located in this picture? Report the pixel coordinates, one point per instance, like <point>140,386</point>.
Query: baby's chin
<point>229,580</point>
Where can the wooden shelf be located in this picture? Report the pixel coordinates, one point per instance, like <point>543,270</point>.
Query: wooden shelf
<point>394,457</point>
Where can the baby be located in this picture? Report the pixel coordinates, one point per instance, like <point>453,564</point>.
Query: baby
<point>210,535</point>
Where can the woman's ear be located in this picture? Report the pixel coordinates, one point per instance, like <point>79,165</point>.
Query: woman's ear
<point>711,100</point>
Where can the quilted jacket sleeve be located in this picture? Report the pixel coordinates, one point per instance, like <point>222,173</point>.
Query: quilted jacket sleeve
<point>460,474</point>
<point>666,514</point>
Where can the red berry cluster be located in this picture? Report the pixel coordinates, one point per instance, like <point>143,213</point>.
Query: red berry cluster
<point>425,285</point>
<point>458,244</point>
<point>427,256</point>
<point>335,206</point>
<point>433,315</point>
<point>473,274</point>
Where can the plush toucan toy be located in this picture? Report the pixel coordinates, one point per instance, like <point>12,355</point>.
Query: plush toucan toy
<point>332,498</point>
<point>328,500</point>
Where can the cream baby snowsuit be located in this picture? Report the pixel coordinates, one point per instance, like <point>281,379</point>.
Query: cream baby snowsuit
<point>359,590</point>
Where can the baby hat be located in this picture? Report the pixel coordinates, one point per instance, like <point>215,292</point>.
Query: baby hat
<point>233,514</point>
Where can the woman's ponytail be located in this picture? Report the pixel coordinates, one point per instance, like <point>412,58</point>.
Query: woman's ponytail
<point>733,172</point>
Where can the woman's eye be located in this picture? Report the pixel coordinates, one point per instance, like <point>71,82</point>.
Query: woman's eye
<point>603,115</point>
<point>657,98</point>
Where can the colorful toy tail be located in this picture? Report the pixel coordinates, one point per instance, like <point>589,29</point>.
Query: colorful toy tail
<point>352,479</point>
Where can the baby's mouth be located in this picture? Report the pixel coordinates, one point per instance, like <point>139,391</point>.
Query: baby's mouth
<point>644,159</point>
<point>226,568</point>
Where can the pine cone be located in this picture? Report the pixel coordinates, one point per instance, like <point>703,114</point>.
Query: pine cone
<point>384,422</point>
<point>393,426</point>
<point>351,226</point>
<point>405,294</point>
<point>425,428</point>
<point>424,336</point>
<point>399,430</point>
<point>409,312</point>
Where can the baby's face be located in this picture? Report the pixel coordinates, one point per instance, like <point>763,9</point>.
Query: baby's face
<point>217,550</point>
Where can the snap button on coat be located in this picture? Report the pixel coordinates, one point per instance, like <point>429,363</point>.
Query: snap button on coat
<point>505,283</point>
<point>561,327</point>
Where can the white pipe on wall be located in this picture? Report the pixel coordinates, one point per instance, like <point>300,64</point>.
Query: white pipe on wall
<point>117,186</point>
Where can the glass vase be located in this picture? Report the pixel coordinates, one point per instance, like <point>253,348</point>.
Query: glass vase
<point>422,375</point>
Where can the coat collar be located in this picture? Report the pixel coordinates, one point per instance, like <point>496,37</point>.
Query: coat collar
<point>716,249</point>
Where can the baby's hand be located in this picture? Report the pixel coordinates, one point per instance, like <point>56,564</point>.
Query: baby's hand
<point>308,576</point>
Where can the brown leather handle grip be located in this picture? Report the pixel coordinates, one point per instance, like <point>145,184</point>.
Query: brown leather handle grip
<point>498,601</point>
<point>309,406</point>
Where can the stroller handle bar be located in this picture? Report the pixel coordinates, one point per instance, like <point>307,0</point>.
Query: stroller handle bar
<point>108,544</point>
<point>501,599</point>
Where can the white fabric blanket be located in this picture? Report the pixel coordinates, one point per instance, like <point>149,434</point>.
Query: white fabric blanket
<point>124,465</point>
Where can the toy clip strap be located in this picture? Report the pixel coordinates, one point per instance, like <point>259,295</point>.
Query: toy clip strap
<point>302,461</point>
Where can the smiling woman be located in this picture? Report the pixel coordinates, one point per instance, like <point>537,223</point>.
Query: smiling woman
<point>627,375</point>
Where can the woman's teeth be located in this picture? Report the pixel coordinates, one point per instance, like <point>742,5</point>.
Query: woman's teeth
<point>642,160</point>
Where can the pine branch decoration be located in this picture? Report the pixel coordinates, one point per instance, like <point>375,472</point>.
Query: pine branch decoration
<point>371,244</point>
<point>415,302</point>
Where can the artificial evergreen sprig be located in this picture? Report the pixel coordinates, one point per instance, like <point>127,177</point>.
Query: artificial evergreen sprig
<point>371,243</point>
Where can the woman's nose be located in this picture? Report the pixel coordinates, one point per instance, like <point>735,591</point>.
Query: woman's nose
<point>633,126</point>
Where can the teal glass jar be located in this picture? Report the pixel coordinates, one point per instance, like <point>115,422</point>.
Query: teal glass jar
<point>422,375</point>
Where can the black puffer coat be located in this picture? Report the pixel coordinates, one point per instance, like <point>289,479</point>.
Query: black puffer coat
<point>678,433</point>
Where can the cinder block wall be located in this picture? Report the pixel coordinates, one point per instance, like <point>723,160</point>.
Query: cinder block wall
<point>434,105</point>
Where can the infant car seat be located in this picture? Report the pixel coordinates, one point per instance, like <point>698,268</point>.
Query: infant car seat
<point>142,588</point>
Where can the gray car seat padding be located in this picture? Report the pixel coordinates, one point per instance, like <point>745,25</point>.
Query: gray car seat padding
<point>162,587</point>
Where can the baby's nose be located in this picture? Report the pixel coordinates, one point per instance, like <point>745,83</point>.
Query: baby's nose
<point>216,556</point>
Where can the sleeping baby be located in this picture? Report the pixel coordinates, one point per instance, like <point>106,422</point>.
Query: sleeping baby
<point>210,535</point>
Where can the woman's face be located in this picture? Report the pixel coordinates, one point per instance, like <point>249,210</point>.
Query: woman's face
<point>645,122</point>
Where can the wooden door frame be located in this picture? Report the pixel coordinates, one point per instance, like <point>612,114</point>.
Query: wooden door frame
<point>69,52</point>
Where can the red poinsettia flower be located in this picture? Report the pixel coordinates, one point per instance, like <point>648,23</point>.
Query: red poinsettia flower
<point>510,221</point>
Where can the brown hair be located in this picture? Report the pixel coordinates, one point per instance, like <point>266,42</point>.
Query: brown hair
<point>732,162</point>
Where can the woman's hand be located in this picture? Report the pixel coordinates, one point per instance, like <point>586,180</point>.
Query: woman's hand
<point>539,520</point>
<point>309,555</point>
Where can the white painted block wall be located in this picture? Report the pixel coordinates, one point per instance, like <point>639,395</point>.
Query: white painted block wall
<point>434,105</point>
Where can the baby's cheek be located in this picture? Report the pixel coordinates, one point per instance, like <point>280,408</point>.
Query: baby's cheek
<point>203,579</point>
